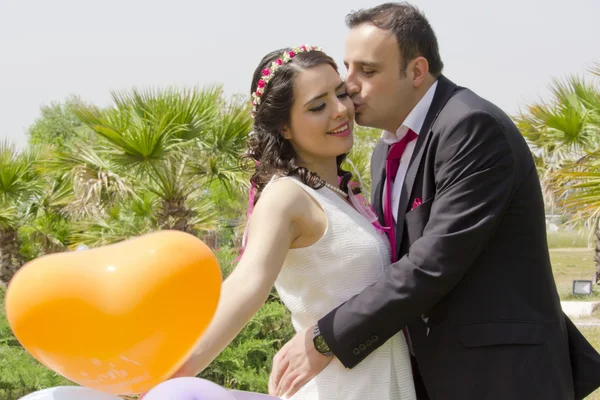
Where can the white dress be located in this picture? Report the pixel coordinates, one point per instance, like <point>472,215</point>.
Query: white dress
<point>314,280</point>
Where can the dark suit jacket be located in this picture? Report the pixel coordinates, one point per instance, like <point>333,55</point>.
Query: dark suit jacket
<point>473,263</point>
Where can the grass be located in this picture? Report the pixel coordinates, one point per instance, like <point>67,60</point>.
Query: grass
<point>571,264</point>
<point>568,239</point>
<point>592,334</point>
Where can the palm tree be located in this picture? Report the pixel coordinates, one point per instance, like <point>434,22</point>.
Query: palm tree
<point>168,145</point>
<point>578,184</point>
<point>565,137</point>
<point>17,186</point>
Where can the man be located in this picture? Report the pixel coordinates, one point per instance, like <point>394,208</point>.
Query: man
<point>472,282</point>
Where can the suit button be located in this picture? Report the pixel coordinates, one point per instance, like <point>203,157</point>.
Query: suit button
<point>375,338</point>
<point>356,351</point>
<point>369,343</point>
<point>362,347</point>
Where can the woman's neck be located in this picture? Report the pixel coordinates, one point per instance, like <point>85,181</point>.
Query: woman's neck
<point>325,169</point>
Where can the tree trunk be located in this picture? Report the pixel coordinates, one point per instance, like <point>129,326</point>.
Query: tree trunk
<point>10,256</point>
<point>173,214</point>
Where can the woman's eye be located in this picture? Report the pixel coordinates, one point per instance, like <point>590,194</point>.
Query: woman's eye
<point>318,108</point>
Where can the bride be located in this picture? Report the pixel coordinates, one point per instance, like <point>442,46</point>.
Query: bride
<point>308,234</point>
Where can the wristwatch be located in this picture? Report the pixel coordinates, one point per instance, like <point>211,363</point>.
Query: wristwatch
<point>319,342</point>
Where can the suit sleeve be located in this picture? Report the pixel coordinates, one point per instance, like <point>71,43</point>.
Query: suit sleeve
<point>474,173</point>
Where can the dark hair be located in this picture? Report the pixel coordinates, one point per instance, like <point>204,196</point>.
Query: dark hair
<point>271,152</point>
<point>413,33</point>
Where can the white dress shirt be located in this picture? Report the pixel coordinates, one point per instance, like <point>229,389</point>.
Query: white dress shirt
<point>414,121</point>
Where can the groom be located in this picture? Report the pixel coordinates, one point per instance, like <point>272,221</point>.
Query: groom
<point>472,280</point>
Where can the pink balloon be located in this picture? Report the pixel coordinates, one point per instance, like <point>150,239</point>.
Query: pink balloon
<point>186,388</point>
<point>241,395</point>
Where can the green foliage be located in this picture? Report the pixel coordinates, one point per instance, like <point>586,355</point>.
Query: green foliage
<point>246,363</point>
<point>44,234</point>
<point>227,260</point>
<point>58,126</point>
<point>17,174</point>
<point>564,133</point>
<point>155,159</point>
<point>365,140</point>
<point>6,336</point>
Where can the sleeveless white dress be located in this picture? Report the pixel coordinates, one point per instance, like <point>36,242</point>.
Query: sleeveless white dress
<point>314,280</point>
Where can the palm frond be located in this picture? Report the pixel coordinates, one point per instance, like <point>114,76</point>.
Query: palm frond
<point>145,126</point>
<point>565,127</point>
<point>108,230</point>
<point>228,132</point>
<point>48,231</point>
<point>205,215</point>
<point>8,216</point>
<point>577,186</point>
<point>17,173</point>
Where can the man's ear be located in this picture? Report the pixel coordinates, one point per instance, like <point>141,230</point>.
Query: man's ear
<point>419,68</point>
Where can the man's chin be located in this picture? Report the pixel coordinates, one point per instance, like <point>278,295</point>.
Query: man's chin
<point>360,120</point>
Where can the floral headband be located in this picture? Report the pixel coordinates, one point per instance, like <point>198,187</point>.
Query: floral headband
<point>267,73</point>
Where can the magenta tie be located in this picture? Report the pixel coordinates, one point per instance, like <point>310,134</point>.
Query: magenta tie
<point>392,163</point>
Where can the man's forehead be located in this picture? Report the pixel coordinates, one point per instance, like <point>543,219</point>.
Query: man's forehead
<point>367,44</point>
<point>370,34</point>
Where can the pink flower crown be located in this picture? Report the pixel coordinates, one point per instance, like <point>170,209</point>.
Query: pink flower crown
<point>267,73</point>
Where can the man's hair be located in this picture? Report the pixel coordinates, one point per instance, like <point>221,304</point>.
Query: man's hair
<point>413,33</point>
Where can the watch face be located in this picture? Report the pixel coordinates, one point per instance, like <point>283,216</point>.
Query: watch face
<point>321,345</point>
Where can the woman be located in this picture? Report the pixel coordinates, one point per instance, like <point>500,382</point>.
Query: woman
<point>307,234</point>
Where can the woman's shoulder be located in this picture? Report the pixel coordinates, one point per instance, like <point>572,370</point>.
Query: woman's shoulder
<point>287,196</point>
<point>284,193</point>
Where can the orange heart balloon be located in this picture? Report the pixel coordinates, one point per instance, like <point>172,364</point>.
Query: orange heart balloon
<point>120,318</point>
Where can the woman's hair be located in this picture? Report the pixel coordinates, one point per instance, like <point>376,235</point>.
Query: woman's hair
<point>271,152</point>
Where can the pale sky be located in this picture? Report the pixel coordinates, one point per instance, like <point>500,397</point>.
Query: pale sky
<point>506,51</point>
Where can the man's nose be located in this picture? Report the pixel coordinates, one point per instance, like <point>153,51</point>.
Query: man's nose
<point>352,86</point>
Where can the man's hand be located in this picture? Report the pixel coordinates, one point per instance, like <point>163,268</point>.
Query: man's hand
<point>295,364</point>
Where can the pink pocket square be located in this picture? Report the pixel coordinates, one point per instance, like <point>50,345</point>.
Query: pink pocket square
<point>416,203</point>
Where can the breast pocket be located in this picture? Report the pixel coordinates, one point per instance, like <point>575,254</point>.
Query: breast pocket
<point>502,333</point>
<point>416,219</point>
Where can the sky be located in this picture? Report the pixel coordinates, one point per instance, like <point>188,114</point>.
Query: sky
<point>506,51</point>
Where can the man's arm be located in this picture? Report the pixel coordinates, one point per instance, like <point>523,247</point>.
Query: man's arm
<point>475,170</point>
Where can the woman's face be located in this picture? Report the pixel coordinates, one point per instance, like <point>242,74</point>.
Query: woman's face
<point>322,115</point>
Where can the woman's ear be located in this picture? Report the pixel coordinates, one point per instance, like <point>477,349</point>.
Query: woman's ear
<point>286,132</point>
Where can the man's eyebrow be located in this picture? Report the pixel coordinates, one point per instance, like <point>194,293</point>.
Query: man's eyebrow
<point>371,64</point>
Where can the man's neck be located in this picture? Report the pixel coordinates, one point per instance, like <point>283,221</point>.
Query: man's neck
<point>419,94</point>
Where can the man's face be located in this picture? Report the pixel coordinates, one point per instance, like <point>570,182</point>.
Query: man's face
<point>382,95</point>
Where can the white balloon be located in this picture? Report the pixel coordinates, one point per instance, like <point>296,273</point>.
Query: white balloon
<point>82,247</point>
<point>69,393</point>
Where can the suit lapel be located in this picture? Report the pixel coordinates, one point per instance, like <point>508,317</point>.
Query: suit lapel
<point>378,178</point>
<point>442,94</point>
